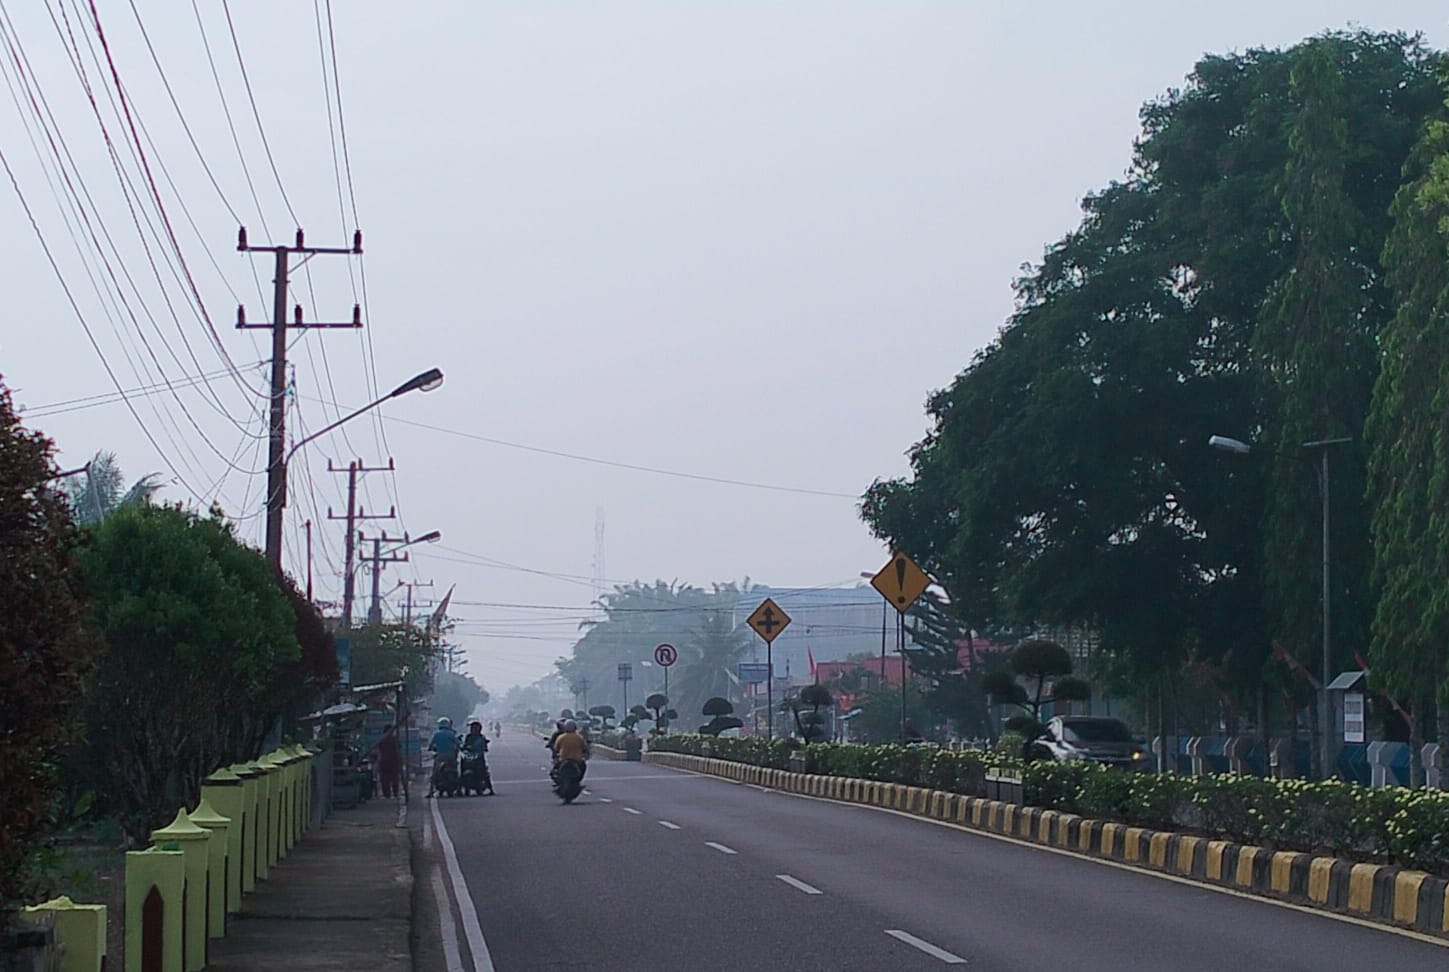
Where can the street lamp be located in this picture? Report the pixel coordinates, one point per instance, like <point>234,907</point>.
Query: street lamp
<point>1325,721</point>
<point>374,613</point>
<point>426,381</point>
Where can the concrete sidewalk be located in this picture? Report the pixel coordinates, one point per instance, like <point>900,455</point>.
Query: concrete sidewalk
<point>342,899</point>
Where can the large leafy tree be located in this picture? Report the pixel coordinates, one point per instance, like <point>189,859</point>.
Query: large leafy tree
<point>1407,433</point>
<point>708,658</point>
<point>44,652</point>
<point>1066,480</point>
<point>196,629</point>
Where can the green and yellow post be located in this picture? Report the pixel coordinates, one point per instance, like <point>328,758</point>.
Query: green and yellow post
<point>225,791</point>
<point>155,906</point>
<point>194,842</point>
<point>252,841</point>
<point>79,928</point>
<point>272,780</point>
<point>218,827</point>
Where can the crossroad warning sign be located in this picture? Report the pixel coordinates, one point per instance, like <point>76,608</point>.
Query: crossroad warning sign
<point>768,620</point>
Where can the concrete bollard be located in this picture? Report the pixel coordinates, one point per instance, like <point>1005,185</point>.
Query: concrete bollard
<point>251,839</point>
<point>194,842</point>
<point>217,826</point>
<point>155,910</point>
<point>79,928</point>
<point>277,807</point>
<point>294,786</point>
<point>224,791</point>
<point>1195,755</point>
<point>304,788</point>
<point>265,787</point>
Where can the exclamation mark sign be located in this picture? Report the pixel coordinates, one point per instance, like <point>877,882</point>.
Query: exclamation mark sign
<point>901,579</point>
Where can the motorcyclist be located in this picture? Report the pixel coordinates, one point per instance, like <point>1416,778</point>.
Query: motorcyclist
<point>558,730</point>
<point>476,744</point>
<point>444,747</point>
<point>570,746</point>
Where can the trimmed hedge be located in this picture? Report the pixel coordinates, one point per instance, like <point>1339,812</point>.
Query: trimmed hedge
<point>1373,824</point>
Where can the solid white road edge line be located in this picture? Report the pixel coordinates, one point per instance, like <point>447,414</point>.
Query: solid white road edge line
<point>720,847</point>
<point>671,826</point>
<point>633,811</point>
<point>451,957</point>
<point>482,961</point>
<point>926,947</point>
<point>798,884</point>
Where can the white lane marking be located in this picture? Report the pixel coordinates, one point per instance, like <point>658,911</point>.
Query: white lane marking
<point>427,834</point>
<point>671,826</point>
<point>798,884</point>
<point>720,847</point>
<point>482,961</point>
<point>605,800</point>
<point>633,811</point>
<point>451,957</point>
<point>926,947</point>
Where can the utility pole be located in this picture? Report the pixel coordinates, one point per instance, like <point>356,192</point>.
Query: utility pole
<point>408,610</point>
<point>353,515</point>
<point>277,423</point>
<point>374,613</point>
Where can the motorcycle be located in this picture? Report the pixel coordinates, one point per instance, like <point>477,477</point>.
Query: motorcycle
<point>568,781</point>
<point>473,775</point>
<point>447,778</point>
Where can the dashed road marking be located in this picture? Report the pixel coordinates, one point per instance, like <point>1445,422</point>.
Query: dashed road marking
<point>667,824</point>
<point>798,884</point>
<point>925,946</point>
<point>633,811</point>
<point>605,800</point>
<point>720,847</point>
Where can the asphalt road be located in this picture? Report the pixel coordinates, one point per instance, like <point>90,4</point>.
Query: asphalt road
<point>659,869</point>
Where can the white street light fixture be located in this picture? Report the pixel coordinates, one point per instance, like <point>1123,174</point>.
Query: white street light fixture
<point>1229,445</point>
<point>1325,720</point>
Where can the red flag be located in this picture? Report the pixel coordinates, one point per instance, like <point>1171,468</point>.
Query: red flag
<point>810,657</point>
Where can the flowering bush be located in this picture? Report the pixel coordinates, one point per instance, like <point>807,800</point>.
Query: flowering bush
<point>1380,824</point>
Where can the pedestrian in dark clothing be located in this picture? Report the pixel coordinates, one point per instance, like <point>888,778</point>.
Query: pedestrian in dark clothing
<point>389,762</point>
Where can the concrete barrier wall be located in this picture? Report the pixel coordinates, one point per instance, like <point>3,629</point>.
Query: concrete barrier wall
<point>1376,892</point>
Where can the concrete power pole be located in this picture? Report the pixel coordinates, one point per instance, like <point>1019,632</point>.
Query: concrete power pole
<point>277,423</point>
<point>374,613</point>
<point>354,513</point>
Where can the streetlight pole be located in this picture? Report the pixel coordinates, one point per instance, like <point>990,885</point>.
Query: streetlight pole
<point>1325,717</point>
<point>277,496</point>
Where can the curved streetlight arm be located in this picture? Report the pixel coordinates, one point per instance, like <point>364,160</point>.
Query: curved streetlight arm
<point>426,381</point>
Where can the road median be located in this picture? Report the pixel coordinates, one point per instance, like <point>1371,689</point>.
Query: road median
<point>1379,893</point>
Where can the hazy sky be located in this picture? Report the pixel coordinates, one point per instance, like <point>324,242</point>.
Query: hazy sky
<point>737,240</point>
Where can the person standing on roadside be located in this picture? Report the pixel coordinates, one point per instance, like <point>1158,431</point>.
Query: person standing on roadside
<point>389,762</point>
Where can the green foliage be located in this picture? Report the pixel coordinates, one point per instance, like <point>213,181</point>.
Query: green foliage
<point>45,653</point>
<point>718,706</point>
<point>197,633</point>
<point>1230,284</point>
<point>389,653</point>
<point>456,696</point>
<point>1379,824</point>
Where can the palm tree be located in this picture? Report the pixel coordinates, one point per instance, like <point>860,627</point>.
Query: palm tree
<point>102,490</point>
<point>708,658</point>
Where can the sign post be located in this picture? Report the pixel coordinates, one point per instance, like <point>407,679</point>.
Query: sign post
<point>768,620</point>
<point>901,583</point>
<point>665,656</point>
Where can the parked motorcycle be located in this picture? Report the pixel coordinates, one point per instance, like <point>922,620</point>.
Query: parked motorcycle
<point>473,775</point>
<point>447,778</point>
<point>568,781</point>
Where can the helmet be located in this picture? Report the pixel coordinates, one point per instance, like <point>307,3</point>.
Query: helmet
<point>475,722</point>
<point>571,726</point>
<point>445,723</point>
